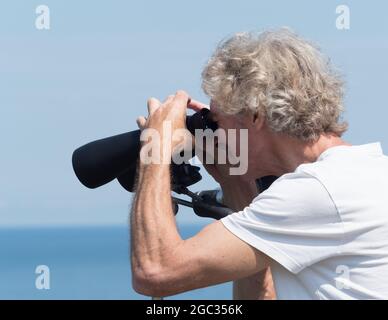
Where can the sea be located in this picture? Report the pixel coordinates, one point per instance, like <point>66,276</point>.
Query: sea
<point>77,263</point>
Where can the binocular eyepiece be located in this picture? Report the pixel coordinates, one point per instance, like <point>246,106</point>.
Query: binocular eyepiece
<point>102,161</point>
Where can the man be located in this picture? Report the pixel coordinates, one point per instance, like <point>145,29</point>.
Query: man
<point>320,229</point>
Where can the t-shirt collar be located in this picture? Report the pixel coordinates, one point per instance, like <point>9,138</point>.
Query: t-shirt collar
<point>370,148</point>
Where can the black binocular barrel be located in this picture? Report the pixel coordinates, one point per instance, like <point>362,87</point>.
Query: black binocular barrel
<point>101,161</point>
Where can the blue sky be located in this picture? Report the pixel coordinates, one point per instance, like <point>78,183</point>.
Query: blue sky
<point>90,75</point>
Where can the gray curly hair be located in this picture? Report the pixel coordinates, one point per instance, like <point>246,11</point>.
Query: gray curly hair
<point>280,76</point>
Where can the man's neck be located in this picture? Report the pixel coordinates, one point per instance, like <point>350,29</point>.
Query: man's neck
<point>291,152</point>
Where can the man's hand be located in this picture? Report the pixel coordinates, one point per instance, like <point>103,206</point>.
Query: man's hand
<point>168,119</point>
<point>172,109</point>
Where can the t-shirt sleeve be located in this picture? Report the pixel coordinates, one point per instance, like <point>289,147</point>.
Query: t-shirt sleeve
<point>294,222</point>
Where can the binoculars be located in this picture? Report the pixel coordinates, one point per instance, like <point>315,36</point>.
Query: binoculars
<point>100,162</point>
<point>116,157</point>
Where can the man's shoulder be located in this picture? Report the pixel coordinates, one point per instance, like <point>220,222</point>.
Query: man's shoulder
<point>298,189</point>
<point>345,159</point>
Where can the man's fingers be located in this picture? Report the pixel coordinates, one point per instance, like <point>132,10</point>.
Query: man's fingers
<point>152,105</point>
<point>181,98</point>
<point>141,122</point>
<point>196,105</point>
<point>169,99</point>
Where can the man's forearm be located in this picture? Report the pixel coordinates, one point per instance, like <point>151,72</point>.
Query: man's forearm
<point>260,285</point>
<point>153,227</point>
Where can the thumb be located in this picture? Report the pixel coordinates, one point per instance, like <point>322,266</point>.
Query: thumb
<point>196,105</point>
<point>141,122</point>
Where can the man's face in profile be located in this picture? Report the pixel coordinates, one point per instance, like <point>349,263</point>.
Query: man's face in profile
<point>233,126</point>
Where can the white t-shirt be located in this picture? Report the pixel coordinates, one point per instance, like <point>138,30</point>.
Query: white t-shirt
<point>325,226</point>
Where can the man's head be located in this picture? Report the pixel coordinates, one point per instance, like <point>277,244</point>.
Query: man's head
<point>274,83</point>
